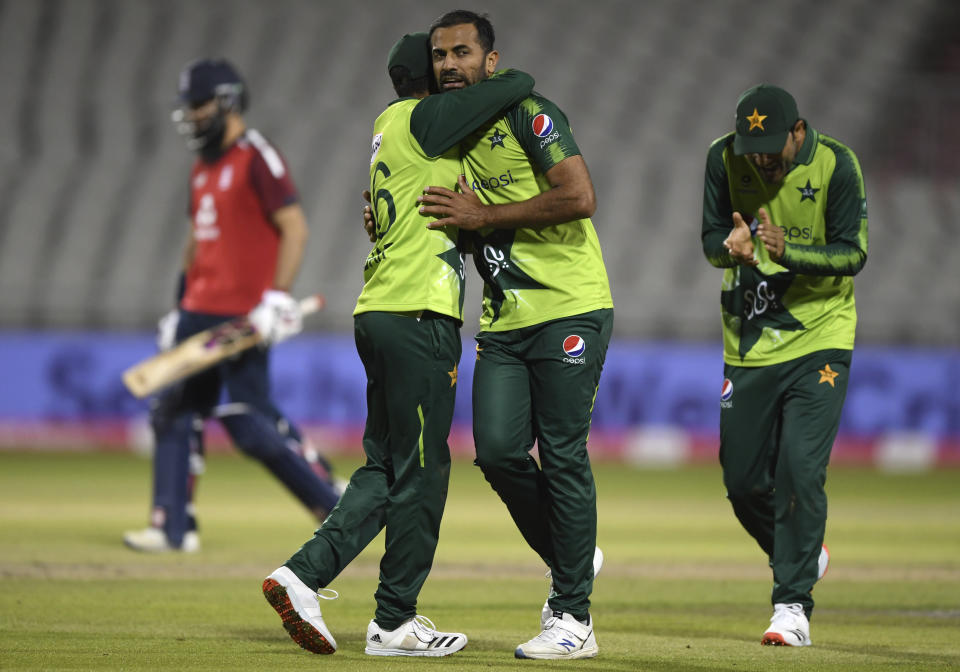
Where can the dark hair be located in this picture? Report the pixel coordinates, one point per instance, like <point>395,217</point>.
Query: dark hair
<point>405,85</point>
<point>459,16</point>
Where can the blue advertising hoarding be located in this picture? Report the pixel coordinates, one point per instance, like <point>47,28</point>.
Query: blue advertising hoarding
<point>66,379</point>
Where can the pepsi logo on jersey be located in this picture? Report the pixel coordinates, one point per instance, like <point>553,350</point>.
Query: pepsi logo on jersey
<point>805,233</point>
<point>726,392</point>
<point>573,347</point>
<point>493,182</point>
<point>543,128</point>
<point>542,125</point>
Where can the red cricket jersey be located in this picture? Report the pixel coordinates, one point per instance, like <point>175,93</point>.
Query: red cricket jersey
<point>231,202</point>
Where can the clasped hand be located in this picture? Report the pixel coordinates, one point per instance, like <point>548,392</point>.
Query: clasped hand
<point>740,241</point>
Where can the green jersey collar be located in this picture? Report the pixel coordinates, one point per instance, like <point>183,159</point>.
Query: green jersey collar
<point>400,100</point>
<point>809,148</point>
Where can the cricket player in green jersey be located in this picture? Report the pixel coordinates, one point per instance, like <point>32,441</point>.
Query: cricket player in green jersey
<point>547,317</point>
<point>785,216</point>
<point>407,327</point>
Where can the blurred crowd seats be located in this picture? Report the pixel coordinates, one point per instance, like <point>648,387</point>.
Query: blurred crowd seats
<point>93,176</point>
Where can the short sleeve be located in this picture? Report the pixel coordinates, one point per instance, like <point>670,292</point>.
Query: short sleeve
<point>543,131</point>
<point>269,175</point>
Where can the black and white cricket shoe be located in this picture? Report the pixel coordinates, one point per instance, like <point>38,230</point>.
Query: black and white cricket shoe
<point>416,637</point>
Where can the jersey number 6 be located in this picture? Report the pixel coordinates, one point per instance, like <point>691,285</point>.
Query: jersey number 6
<point>387,197</point>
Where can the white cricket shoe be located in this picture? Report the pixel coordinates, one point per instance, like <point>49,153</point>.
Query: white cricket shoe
<point>823,561</point>
<point>788,627</point>
<point>546,613</point>
<point>299,610</point>
<point>416,637</point>
<point>563,637</point>
<point>154,540</point>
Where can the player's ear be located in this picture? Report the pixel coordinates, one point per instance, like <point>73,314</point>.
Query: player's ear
<point>493,57</point>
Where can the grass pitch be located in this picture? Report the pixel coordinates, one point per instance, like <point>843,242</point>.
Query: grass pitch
<point>683,587</point>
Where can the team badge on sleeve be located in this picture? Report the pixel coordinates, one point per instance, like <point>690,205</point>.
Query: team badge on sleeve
<point>573,347</point>
<point>375,147</point>
<point>544,128</point>
<point>542,125</point>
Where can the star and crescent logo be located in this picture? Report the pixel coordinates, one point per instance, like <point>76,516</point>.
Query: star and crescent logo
<point>756,120</point>
<point>808,191</point>
<point>453,376</point>
<point>496,140</point>
<point>827,375</point>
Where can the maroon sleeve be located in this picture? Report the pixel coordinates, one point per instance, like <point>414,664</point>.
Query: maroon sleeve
<point>271,179</point>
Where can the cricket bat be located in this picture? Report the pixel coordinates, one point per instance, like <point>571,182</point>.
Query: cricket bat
<point>200,352</point>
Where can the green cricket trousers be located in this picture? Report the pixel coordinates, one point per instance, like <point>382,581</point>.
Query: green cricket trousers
<point>411,366</point>
<point>777,426</point>
<point>538,383</point>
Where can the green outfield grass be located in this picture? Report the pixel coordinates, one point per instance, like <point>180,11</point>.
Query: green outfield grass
<point>683,587</point>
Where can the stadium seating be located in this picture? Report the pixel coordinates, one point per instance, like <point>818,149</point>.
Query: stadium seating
<point>93,175</point>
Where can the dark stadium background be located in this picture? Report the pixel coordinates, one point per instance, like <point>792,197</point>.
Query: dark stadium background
<point>93,191</point>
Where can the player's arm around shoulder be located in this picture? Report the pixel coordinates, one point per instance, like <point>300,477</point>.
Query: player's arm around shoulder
<point>439,122</point>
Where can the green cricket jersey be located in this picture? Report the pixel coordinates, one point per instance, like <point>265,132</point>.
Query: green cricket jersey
<point>530,275</point>
<point>779,311</point>
<point>411,267</point>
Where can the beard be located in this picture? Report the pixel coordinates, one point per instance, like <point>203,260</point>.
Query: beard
<point>207,138</point>
<point>458,79</point>
<point>774,171</point>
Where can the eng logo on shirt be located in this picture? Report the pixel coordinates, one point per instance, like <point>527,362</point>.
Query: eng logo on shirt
<point>226,178</point>
<point>542,125</point>
<point>726,393</point>
<point>574,347</point>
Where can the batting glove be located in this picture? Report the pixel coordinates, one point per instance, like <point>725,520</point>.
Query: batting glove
<point>167,330</point>
<point>277,317</point>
